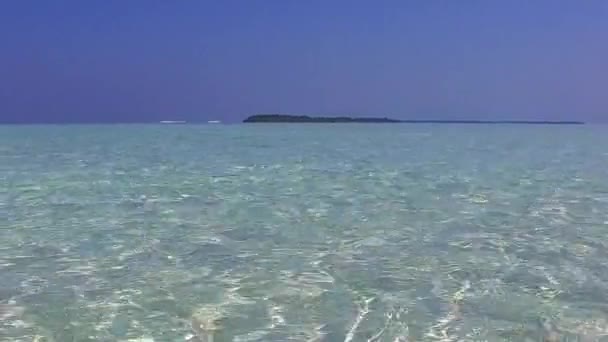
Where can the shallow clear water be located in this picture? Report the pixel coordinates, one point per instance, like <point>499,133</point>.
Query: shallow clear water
<point>303,233</point>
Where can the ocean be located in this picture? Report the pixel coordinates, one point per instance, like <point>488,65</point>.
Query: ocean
<point>303,232</point>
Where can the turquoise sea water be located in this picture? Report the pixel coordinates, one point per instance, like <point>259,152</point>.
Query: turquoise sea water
<point>303,233</point>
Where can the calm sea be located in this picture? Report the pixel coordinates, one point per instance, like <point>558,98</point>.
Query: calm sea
<point>303,233</point>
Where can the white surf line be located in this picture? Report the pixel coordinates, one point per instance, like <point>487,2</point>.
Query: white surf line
<point>363,311</point>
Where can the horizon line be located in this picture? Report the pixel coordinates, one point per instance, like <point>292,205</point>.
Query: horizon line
<point>397,121</point>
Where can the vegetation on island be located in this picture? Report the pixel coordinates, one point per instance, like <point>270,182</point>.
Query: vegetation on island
<point>285,118</point>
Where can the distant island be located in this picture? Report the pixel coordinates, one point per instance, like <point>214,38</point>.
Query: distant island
<point>285,118</point>
<point>306,119</point>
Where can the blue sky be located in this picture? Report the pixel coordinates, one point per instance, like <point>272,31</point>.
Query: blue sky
<point>139,61</point>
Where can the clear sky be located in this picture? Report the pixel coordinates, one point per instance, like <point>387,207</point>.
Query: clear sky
<point>145,60</point>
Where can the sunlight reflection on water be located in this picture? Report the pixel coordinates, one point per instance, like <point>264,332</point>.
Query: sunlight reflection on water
<point>307,233</point>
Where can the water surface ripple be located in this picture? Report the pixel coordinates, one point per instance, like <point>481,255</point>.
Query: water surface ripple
<point>303,233</point>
